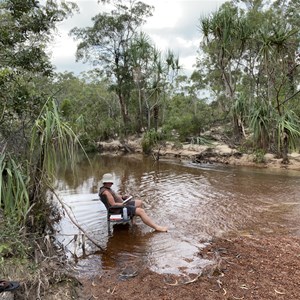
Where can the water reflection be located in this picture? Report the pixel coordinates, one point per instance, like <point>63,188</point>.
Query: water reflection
<point>196,202</point>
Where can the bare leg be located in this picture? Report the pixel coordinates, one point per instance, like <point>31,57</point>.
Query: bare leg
<point>147,220</point>
<point>133,220</point>
<point>138,203</point>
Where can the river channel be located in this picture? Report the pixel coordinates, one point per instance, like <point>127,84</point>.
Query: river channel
<point>197,203</point>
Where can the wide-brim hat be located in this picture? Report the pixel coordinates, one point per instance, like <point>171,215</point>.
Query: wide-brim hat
<point>108,178</point>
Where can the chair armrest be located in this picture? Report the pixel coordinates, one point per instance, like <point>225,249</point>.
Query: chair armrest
<point>116,206</point>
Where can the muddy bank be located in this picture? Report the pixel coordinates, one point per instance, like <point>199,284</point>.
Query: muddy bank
<point>246,267</point>
<point>216,153</point>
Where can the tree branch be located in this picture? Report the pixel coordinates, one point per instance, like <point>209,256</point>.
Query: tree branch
<point>289,98</point>
<point>75,223</point>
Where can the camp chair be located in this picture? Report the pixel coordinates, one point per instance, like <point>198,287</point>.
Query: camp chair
<point>113,217</point>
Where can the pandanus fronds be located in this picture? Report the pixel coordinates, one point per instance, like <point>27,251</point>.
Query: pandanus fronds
<point>52,141</point>
<point>14,199</point>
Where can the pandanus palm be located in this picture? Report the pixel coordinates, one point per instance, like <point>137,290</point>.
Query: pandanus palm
<point>23,186</point>
<point>276,62</point>
<point>260,123</point>
<point>288,133</point>
<point>225,36</point>
<point>152,73</point>
<point>51,139</point>
<point>14,198</point>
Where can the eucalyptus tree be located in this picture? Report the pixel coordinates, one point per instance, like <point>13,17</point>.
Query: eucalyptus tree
<point>106,44</point>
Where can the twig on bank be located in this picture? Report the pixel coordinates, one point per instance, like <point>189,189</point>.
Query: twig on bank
<point>195,279</point>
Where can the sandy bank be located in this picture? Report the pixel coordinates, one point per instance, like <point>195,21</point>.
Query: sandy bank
<point>214,153</point>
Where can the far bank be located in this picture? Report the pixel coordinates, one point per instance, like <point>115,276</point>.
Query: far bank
<point>215,153</point>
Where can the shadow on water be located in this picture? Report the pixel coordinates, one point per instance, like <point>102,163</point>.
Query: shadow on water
<point>196,202</point>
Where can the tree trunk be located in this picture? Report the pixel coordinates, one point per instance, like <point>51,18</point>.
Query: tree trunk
<point>155,116</point>
<point>124,111</point>
<point>285,148</point>
<point>238,128</point>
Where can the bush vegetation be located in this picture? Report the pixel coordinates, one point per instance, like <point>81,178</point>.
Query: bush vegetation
<point>248,70</point>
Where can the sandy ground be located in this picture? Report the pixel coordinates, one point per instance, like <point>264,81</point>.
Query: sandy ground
<point>262,268</point>
<point>215,153</point>
<point>244,267</point>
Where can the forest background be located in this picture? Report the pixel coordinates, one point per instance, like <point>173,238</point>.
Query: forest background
<point>248,60</point>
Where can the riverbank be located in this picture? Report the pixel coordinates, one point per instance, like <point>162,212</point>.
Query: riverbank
<point>245,267</point>
<point>214,153</point>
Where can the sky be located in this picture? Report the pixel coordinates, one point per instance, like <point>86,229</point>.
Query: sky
<point>174,25</point>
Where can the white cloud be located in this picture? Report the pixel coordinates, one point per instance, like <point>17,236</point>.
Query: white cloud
<point>173,26</point>
<point>166,14</point>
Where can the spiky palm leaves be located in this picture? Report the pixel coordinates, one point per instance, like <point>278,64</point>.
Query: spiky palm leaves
<point>14,199</point>
<point>22,187</point>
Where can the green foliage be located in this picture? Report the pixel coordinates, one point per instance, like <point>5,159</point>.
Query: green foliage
<point>99,118</point>
<point>186,126</point>
<point>88,143</point>
<point>24,67</point>
<point>14,197</point>
<point>250,64</point>
<point>107,45</point>
<point>153,74</point>
<point>51,137</point>
<point>32,132</point>
<point>24,31</point>
<point>151,139</point>
<point>261,122</point>
<point>288,125</point>
<point>13,241</point>
<point>259,156</point>
<point>187,115</point>
<point>66,108</point>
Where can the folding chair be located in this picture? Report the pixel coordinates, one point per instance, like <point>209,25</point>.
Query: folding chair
<point>113,217</point>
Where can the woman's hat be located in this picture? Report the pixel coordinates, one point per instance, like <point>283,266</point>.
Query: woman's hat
<point>107,178</point>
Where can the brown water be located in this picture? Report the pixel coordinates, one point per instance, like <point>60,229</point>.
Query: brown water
<point>197,203</point>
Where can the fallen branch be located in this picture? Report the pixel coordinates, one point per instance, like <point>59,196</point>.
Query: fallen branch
<point>75,223</point>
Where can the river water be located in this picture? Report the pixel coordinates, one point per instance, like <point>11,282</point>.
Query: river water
<point>197,202</point>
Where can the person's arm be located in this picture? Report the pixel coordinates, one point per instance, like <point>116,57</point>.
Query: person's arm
<point>111,199</point>
<point>121,197</point>
<point>127,199</point>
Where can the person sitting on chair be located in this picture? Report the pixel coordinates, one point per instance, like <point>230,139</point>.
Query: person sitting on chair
<point>134,207</point>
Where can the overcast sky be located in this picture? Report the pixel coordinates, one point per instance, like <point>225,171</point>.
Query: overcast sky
<point>174,25</point>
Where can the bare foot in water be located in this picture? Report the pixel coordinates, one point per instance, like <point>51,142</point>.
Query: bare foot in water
<point>161,229</point>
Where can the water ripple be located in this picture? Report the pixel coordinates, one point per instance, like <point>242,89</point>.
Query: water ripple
<point>196,203</point>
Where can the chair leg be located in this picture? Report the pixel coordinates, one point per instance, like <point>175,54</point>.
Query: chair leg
<point>108,227</point>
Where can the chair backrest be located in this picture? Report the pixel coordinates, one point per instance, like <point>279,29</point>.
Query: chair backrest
<point>104,201</point>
